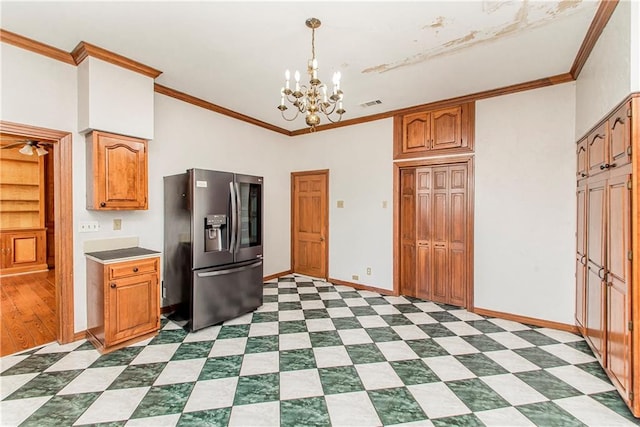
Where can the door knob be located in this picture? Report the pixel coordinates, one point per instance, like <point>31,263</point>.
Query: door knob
<point>113,286</point>
<point>135,269</point>
<point>321,239</point>
<point>103,204</point>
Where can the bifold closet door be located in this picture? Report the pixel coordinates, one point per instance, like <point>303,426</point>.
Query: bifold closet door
<point>595,301</point>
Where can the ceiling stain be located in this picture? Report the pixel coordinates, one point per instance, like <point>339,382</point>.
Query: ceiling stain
<point>566,4</point>
<point>438,23</point>
<point>461,40</point>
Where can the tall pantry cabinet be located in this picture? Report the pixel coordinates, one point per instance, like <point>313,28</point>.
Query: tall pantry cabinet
<point>607,309</point>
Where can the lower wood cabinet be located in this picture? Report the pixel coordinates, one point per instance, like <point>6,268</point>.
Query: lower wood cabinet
<point>123,302</point>
<point>23,251</point>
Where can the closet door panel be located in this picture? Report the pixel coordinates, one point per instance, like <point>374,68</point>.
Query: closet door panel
<point>407,231</point>
<point>424,271</point>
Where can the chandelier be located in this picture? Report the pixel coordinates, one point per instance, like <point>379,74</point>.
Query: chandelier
<point>314,98</point>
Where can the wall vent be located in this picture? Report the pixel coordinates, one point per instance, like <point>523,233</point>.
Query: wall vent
<point>371,103</point>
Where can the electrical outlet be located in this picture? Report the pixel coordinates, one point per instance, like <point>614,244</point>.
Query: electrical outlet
<point>355,277</point>
<point>117,224</point>
<point>89,226</point>
<point>368,271</point>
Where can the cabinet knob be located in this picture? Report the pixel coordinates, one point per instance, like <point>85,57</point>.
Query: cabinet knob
<point>113,286</point>
<point>605,166</point>
<point>135,269</point>
<point>583,174</point>
<point>103,204</point>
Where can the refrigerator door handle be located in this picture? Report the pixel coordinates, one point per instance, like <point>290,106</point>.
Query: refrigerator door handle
<point>231,270</point>
<point>234,219</point>
<point>238,217</point>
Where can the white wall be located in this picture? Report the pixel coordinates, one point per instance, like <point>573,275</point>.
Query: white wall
<point>635,46</point>
<point>360,163</point>
<point>606,77</point>
<point>525,203</point>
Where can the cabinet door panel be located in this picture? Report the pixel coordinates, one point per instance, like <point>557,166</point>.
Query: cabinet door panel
<point>581,159</point>
<point>597,150</point>
<point>595,308</point>
<point>595,230</point>
<point>415,135</point>
<point>132,306</point>
<point>581,258</point>
<point>424,272</point>
<point>594,324</point>
<point>620,137</point>
<point>446,128</point>
<point>441,283</point>
<point>408,231</point>
<point>580,291</point>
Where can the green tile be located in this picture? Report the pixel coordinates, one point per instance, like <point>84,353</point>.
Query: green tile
<point>396,320</point>
<point>45,384</point>
<point>169,337</point>
<point>467,420</point>
<point>294,360</point>
<point>138,376</point>
<point>292,327</point>
<point>312,410</point>
<point>594,369</point>
<point>309,297</point>
<point>325,339</point>
<point>323,289</point>
<point>481,365</point>
<point>346,323</point>
<point>485,326</point>
<point>436,330</point>
<point>257,389</point>
<point>407,308</point>
<point>289,305</point>
<point>443,316</point>
<point>334,303</point>
<point>477,395</point>
<point>271,285</point>
<point>365,353</point>
<point>340,379</point>
<point>262,344</point>
<point>540,357</point>
<point>413,372</point>
<point>124,356</point>
<point>549,385</point>
<point>396,405</point>
<point>193,350</point>
<point>549,414</point>
<point>383,334</point>
<point>34,364</point>
<point>377,301</point>
<point>269,298</point>
<point>265,316</point>
<point>61,410</point>
<point>210,418</point>
<point>283,291</point>
<point>305,284</point>
<point>447,307</point>
<point>164,400</point>
<point>110,424</point>
<point>351,294</point>
<point>318,313</point>
<point>613,401</point>
<point>483,343</point>
<point>233,331</point>
<point>580,346</point>
<point>363,310</point>
<point>535,337</point>
<point>86,346</point>
<point>427,348</point>
<point>221,367</point>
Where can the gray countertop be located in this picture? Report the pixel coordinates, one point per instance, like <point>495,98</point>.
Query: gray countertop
<point>117,255</point>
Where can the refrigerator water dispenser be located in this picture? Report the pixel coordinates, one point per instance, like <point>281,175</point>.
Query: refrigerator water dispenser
<point>215,235</point>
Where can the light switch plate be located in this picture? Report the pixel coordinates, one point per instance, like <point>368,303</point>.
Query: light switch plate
<point>341,203</point>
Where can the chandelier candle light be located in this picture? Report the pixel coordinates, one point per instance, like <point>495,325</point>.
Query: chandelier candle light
<point>312,99</point>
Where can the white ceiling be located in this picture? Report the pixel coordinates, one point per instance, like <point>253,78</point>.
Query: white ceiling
<point>234,54</point>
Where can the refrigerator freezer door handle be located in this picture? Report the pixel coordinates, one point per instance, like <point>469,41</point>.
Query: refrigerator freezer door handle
<point>234,219</point>
<point>230,270</point>
<point>238,220</point>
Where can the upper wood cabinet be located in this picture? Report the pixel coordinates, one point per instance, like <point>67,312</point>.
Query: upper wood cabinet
<point>620,136</point>
<point>597,153</point>
<point>116,172</point>
<point>432,132</point>
<point>581,159</point>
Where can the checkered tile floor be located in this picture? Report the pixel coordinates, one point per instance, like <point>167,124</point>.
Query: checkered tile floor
<point>318,354</point>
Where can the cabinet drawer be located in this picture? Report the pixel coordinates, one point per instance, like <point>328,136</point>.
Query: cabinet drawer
<point>133,267</point>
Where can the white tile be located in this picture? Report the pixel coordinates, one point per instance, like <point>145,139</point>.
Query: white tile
<point>180,371</point>
<point>509,325</point>
<point>287,315</point>
<point>352,409</point>
<point>581,380</point>
<point>342,288</point>
<point>428,306</point>
<point>288,298</point>
<point>410,332</point>
<point>461,328</point>
<point>465,315</point>
<point>156,353</point>
<point>228,347</point>
<point>312,305</point>
<point>283,285</point>
<point>304,278</point>
<point>420,318</point>
<point>504,417</point>
<point>354,336</point>
<point>259,414</point>
<point>356,302</point>
<point>11,383</point>
<point>421,423</point>
<point>327,357</point>
<point>270,291</point>
<point>294,341</point>
<point>591,412</point>
<point>14,412</point>
<point>260,363</point>
<point>171,326</point>
<point>262,329</point>
<point>396,350</point>
<point>448,368</point>
<point>329,295</point>
<point>160,421</point>
<point>568,354</point>
<point>369,294</point>
<point>206,334</point>
<point>437,400</point>
<point>385,309</point>
<point>212,394</point>
<point>396,300</point>
<point>372,321</point>
<point>300,384</point>
<point>113,405</point>
<point>509,340</point>
<point>268,306</point>
<point>335,312</point>
<point>378,375</point>
<point>316,325</point>
<point>7,362</point>
<point>142,343</point>
<point>75,360</point>
<point>321,284</point>
<point>307,290</point>
<point>513,389</point>
<point>60,348</point>
<point>244,319</point>
<point>94,379</point>
<point>562,336</point>
<point>456,345</point>
<point>511,361</point>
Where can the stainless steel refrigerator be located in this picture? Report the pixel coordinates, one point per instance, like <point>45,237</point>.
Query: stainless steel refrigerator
<point>212,246</point>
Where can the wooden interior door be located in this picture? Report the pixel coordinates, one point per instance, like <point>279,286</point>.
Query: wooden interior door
<point>424,239</point>
<point>595,306</point>
<point>408,231</point>
<point>457,235</point>
<point>309,223</point>
<point>581,254</point>
<point>440,261</point>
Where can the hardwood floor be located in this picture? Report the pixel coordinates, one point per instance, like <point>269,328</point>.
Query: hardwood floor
<point>28,311</point>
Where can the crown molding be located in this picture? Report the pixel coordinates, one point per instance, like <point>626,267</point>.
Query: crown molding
<point>35,46</point>
<point>84,50</point>
<point>600,19</point>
